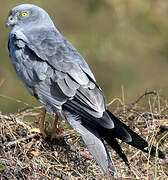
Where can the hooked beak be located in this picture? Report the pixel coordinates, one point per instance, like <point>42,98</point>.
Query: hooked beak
<point>10,21</point>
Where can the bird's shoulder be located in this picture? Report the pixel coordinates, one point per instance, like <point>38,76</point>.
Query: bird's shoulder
<point>50,46</point>
<point>69,71</point>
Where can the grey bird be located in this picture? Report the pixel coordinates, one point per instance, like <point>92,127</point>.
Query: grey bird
<point>57,75</point>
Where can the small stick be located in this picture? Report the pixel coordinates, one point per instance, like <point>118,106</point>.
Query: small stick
<point>19,140</point>
<point>146,93</point>
<point>15,119</point>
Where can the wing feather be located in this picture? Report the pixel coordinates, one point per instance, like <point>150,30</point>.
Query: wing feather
<point>66,67</point>
<point>71,83</point>
<point>65,88</point>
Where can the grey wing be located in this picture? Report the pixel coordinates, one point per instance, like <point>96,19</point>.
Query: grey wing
<point>70,76</point>
<point>35,73</point>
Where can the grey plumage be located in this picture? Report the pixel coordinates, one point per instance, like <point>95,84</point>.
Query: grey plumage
<point>57,75</point>
<point>94,143</point>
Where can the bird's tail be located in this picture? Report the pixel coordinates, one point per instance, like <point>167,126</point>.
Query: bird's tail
<point>95,135</point>
<point>135,141</point>
<point>95,144</point>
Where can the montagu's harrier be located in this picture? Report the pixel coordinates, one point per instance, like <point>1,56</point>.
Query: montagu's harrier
<point>56,74</point>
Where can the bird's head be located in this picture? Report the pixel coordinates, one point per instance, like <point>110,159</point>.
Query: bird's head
<point>28,15</point>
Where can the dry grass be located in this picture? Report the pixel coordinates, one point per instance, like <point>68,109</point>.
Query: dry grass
<point>29,156</point>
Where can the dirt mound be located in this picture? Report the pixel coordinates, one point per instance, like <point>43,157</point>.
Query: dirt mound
<point>29,156</point>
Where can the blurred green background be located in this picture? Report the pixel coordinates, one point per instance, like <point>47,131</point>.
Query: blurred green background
<point>125,42</point>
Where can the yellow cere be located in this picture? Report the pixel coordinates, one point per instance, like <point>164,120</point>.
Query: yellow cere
<point>24,14</point>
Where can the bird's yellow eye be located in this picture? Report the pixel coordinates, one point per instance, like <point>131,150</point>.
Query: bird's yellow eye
<point>24,14</point>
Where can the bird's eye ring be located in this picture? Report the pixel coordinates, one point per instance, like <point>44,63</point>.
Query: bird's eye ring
<point>24,14</point>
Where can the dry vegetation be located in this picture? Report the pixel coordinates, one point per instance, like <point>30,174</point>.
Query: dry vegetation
<point>29,156</point>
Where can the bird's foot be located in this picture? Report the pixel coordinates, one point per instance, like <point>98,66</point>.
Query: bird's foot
<point>56,133</point>
<point>39,131</point>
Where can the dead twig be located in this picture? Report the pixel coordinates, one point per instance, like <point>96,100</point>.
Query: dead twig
<point>13,118</point>
<point>145,94</point>
<point>19,140</point>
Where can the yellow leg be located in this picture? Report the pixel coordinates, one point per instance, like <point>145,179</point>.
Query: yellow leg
<point>40,130</point>
<point>55,133</point>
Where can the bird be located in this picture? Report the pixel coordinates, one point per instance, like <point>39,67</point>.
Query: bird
<point>57,75</point>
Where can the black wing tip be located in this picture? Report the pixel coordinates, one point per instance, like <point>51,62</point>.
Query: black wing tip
<point>138,142</point>
<point>158,153</point>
